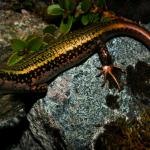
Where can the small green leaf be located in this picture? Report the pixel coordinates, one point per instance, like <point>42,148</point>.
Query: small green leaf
<point>34,44</point>
<point>85,19</point>
<point>69,5</point>
<point>55,9</point>
<point>85,5</point>
<point>65,27</point>
<point>50,29</point>
<point>79,11</point>
<point>90,18</point>
<point>14,58</point>
<point>17,45</point>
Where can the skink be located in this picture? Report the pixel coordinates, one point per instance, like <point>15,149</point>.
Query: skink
<point>33,73</point>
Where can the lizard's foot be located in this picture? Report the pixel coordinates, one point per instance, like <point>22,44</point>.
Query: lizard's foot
<point>109,73</point>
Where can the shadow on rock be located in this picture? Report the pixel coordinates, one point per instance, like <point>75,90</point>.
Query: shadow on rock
<point>13,121</point>
<point>138,79</point>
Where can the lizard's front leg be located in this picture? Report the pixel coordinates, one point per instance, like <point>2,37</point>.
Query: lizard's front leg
<point>108,69</point>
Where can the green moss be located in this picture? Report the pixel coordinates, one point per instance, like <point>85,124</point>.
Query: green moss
<point>131,134</point>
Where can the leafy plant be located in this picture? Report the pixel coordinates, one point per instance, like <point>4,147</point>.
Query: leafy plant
<point>55,9</point>
<point>87,11</point>
<point>23,47</point>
